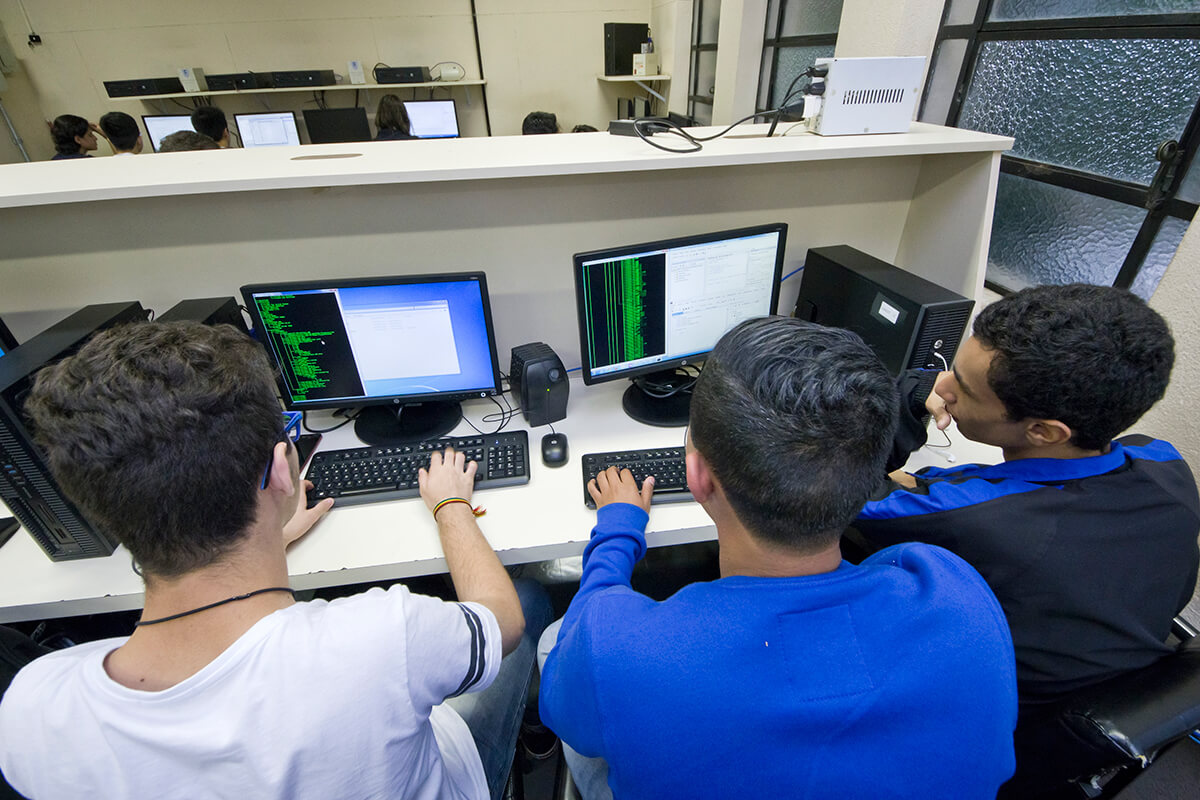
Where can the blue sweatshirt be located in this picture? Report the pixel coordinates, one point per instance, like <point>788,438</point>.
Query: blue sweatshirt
<point>892,678</point>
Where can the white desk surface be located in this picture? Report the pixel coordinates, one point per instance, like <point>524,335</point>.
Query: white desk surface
<point>380,541</point>
<point>428,160</point>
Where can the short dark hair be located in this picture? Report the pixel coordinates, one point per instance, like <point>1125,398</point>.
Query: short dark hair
<point>796,422</point>
<point>210,121</point>
<point>159,432</point>
<point>539,122</point>
<point>121,129</point>
<point>63,131</point>
<point>1093,357</point>
<point>179,141</point>
<point>392,115</point>
<point>583,128</point>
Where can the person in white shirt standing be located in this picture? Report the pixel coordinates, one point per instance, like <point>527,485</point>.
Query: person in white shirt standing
<point>169,436</point>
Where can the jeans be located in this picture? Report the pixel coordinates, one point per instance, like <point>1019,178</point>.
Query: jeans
<point>590,774</point>
<point>494,715</point>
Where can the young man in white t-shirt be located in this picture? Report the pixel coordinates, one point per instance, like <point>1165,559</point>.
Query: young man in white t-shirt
<point>169,436</point>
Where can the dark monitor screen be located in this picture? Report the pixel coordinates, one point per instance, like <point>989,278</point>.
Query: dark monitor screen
<point>432,119</point>
<point>7,340</point>
<point>332,125</point>
<point>269,129</point>
<point>653,307</point>
<point>378,341</point>
<point>162,125</point>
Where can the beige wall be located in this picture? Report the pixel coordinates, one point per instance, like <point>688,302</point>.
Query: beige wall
<point>537,54</point>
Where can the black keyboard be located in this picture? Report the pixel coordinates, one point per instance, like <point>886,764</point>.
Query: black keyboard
<point>374,474</point>
<point>665,464</point>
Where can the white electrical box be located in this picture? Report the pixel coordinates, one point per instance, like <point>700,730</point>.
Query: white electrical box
<point>192,79</point>
<point>868,95</point>
<point>355,68</point>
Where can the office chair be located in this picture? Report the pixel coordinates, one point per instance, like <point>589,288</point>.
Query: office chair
<point>1101,737</point>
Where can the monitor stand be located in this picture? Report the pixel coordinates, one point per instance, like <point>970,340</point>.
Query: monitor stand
<point>388,425</point>
<point>671,411</point>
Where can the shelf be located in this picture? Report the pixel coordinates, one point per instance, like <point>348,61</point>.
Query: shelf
<point>337,87</point>
<point>632,78</point>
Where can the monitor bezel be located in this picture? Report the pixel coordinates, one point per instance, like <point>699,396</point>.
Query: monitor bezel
<point>454,105</point>
<point>242,139</point>
<point>495,390</point>
<point>682,241</point>
<point>319,111</point>
<point>8,342</point>
<point>150,137</point>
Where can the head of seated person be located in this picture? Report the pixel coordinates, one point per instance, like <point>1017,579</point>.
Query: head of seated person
<point>1058,371</point>
<point>583,128</point>
<point>183,417</point>
<point>770,450</point>
<point>210,121</point>
<point>182,141</point>
<point>122,132</point>
<point>391,118</point>
<point>73,136</point>
<point>539,122</point>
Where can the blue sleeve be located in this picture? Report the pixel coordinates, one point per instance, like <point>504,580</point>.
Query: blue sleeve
<point>567,699</point>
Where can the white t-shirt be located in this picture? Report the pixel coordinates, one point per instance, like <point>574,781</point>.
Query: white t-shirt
<point>319,700</point>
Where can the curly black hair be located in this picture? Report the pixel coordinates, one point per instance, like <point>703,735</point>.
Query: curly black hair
<point>1093,357</point>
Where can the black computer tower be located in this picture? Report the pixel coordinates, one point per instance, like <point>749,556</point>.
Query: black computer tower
<point>907,320</point>
<point>26,485</point>
<point>300,78</point>
<point>231,81</point>
<point>621,41</point>
<point>209,310</point>
<point>134,87</point>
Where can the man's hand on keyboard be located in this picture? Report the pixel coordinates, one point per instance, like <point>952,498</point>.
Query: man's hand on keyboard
<point>449,475</point>
<point>610,486</point>
<point>305,517</point>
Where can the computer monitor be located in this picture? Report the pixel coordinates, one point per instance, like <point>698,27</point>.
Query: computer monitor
<point>7,340</point>
<point>406,350</point>
<point>269,129</point>
<point>332,125</point>
<point>432,119</point>
<point>647,309</point>
<point>159,126</point>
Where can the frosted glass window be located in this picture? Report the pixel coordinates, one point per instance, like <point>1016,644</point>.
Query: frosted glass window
<point>793,61</point>
<point>710,21</point>
<point>1190,188</point>
<point>1099,105</point>
<point>962,12</point>
<point>947,63</point>
<point>1048,234</point>
<point>1055,9</point>
<point>1160,255</point>
<point>706,73</point>
<point>808,17</point>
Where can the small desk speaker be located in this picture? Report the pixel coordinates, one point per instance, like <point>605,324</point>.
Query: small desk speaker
<point>539,382</point>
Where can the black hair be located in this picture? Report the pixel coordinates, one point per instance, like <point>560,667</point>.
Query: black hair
<point>796,421</point>
<point>64,130</point>
<point>180,141</point>
<point>121,129</point>
<point>392,115</point>
<point>539,122</point>
<point>160,432</point>
<point>210,121</point>
<point>583,128</point>
<point>1093,357</point>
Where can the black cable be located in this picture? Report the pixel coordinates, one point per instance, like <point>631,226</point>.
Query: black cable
<point>344,423</point>
<point>375,70</point>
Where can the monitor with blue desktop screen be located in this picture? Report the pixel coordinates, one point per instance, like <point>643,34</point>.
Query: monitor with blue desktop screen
<point>159,126</point>
<point>432,119</point>
<point>646,310</point>
<point>405,349</point>
<point>267,129</point>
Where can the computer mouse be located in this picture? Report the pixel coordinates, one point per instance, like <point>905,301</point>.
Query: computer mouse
<point>554,449</point>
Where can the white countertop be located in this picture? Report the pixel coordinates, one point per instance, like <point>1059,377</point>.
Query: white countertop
<point>482,158</point>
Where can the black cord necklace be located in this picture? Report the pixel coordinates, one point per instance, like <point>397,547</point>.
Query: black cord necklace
<point>245,596</point>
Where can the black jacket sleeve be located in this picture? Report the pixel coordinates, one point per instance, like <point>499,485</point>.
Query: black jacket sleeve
<point>914,386</point>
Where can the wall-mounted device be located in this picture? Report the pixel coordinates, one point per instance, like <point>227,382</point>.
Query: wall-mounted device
<point>193,79</point>
<point>26,484</point>
<point>135,87</point>
<point>908,321</point>
<point>402,75</point>
<point>539,382</point>
<point>621,41</point>
<point>867,95</point>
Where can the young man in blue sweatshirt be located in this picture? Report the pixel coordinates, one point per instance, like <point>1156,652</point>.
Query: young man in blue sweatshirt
<point>796,674</point>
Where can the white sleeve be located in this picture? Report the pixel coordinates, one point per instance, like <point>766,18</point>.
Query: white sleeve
<point>453,648</point>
